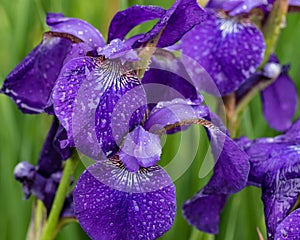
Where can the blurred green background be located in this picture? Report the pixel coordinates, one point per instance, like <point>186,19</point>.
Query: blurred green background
<point>21,27</point>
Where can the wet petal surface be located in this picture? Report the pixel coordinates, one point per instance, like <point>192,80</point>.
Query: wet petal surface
<point>77,27</point>
<point>289,227</point>
<point>140,149</point>
<point>91,102</point>
<point>203,211</point>
<point>230,51</point>
<point>112,203</point>
<point>31,82</point>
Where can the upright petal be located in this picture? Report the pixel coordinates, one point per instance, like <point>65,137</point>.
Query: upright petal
<point>133,16</point>
<point>31,82</point>
<point>182,16</point>
<point>167,79</point>
<point>289,228</point>
<point>112,203</point>
<point>140,149</point>
<point>228,49</point>
<point>77,27</point>
<point>280,102</point>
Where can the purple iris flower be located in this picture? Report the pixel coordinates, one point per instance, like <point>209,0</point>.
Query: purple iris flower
<point>229,48</point>
<point>90,87</point>
<point>103,106</point>
<point>274,167</point>
<point>279,99</point>
<point>42,180</point>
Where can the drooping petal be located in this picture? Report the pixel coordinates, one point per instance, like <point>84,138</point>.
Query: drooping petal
<point>112,203</point>
<point>203,211</point>
<point>182,16</point>
<point>31,82</point>
<point>230,176</point>
<point>232,165</point>
<point>132,16</point>
<point>77,27</point>
<point>280,102</point>
<point>289,228</point>
<point>223,46</point>
<point>140,149</point>
<point>281,187</point>
<point>66,89</point>
<point>91,102</point>
<point>275,167</point>
<point>52,155</point>
<point>121,108</point>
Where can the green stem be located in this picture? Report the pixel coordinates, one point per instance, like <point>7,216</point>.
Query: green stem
<point>37,221</point>
<point>198,235</point>
<point>273,26</point>
<point>51,225</point>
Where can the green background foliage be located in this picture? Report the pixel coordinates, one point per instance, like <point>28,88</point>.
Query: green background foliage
<point>21,27</point>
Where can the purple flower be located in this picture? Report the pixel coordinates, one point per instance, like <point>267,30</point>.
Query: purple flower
<point>42,181</point>
<point>89,88</point>
<point>228,48</point>
<point>274,167</point>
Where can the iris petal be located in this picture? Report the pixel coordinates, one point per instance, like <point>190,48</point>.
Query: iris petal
<point>289,227</point>
<point>31,82</point>
<point>281,187</point>
<point>167,79</point>
<point>221,47</point>
<point>133,16</point>
<point>52,155</point>
<point>77,27</point>
<point>94,100</point>
<point>280,101</point>
<point>171,112</point>
<point>140,149</point>
<point>203,211</point>
<point>66,89</point>
<point>138,205</point>
<point>182,16</point>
